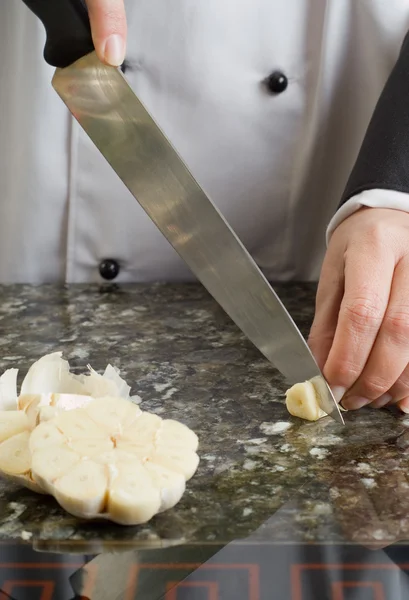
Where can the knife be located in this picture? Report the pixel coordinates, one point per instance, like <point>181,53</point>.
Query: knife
<point>105,106</point>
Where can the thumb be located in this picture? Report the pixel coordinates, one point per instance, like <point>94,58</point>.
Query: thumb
<point>108,25</point>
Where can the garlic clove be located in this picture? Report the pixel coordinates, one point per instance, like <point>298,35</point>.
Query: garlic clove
<point>82,490</point>
<point>302,402</point>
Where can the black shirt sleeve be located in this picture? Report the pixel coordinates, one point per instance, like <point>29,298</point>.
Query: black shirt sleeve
<point>383,160</point>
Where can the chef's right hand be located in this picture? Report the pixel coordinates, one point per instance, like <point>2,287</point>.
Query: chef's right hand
<point>108,25</point>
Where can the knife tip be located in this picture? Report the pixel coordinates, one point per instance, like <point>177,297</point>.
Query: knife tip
<point>337,416</point>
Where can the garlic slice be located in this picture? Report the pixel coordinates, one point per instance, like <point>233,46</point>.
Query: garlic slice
<point>12,422</point>
<point>15,456</point>
<point>133,496</point>
<point>82,490</point>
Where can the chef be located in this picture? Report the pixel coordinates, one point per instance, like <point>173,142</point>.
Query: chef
<point>269,103</point>
<point>273,104</point>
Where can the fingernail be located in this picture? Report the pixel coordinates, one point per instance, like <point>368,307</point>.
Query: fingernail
<point>354,402</point>
<point>114,51</point>
<point>404,408</point>
<point>381,401</point>
<point>338,392</point>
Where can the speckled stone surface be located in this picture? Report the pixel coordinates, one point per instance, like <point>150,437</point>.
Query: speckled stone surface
<point>262,472</point>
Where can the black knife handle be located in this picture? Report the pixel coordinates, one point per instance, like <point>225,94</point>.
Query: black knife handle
<point>67,28</point>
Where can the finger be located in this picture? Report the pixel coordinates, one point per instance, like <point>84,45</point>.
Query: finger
<point>108,25</point>
<point>329,297</point>
<point>368,278</point>
<point>400,389</point>
<point>390,354</point>
<point>385,400</point>
<point>404,405</point>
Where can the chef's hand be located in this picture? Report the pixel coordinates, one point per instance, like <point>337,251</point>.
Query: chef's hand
<point>108,24</point>
<point>360,334</point>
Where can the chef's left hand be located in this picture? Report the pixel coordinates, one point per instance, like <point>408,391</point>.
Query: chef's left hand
<point>360,334</point>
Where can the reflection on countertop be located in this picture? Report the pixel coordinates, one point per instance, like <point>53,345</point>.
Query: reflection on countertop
<point>262,472</point>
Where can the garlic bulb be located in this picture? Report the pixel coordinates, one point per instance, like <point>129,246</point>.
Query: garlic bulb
<point>81,439</point>
<point>112,460</point>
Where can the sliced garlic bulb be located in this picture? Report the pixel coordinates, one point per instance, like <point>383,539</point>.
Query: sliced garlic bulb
<point>302,402</point>
<point>111,460</point>
<point>81,439</point>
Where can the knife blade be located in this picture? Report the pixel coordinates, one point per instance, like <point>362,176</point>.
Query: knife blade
<point>117,122</point>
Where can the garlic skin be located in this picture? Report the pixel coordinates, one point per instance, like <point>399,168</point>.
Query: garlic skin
<point>51,375</point>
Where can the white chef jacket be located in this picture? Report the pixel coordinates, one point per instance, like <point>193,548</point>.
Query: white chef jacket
<point>275,164</point>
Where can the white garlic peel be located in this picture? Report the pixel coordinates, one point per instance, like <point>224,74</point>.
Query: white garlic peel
<point>51,375</point>
<point>101,458</point>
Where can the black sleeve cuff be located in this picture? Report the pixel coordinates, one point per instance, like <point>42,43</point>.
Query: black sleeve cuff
<point>383,160</point>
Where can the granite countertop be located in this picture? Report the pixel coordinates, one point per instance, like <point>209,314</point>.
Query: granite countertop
<point>262,472</point>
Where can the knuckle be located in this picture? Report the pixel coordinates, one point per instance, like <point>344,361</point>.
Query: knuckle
<point>373,387</point>
<point>344,372</point>
<point>317,338</point>
<point>375,234</point>
<point>400,388</point>
<point>397,324</point>
<point>403,382</point>
<point>365,314</point>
